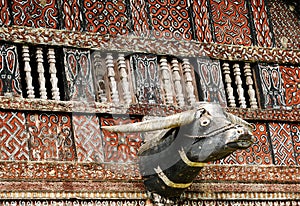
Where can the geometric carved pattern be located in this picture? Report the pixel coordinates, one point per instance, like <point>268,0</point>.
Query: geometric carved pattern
<point>72,16</point>
<point>33,13</point>
<point>87,137</point>
<point>120,147</point>
<point>230,21</point>
<point>211,81</point>
<point>291,83</point>
<point>261,23</point>
<point>201,21</point>
<point>50,137</point>
<point>9,71</point>
<point>4,13</point>
<point>13,138</point>
<point>146,76</point>
<point>282,144</point>
<point>106,17</point>
<point>79,75</point>
<point>140,18</point>
<point>271,85</point>
<point>285,24</point>
<point>258,154</point>
<point>170,19</point>
<point>295,133</point>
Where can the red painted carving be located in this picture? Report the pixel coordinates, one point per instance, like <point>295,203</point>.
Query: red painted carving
<point>106,17</point>
<point>50,137</point>
<point>295,132</point>
<point>120,147</point>
<point>72,17</point>
<point>201,20</point>
<point>14,141</point>
<point>170,19</point>
<point>4,13</point>
<point>139,17</point>
<point>230,21</point>
<point>261,23</point>
<point>291,83</point>
<point>35,13</point>
<point>282,143</point>
<point>87,138</point>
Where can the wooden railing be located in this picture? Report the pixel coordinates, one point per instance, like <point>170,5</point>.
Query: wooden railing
<point>120,78</point>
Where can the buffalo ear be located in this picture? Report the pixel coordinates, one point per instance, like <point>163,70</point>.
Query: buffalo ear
<point>172,121</point>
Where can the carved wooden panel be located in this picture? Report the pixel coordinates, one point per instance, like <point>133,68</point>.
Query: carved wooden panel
<point>106,17</point>
<point>272,91</point>
<point>32,13</point>
<point>295,133</point>
<point>79,77</point>
<point>10,84</point>
<point>13,138</point>
<point>146,78</point>
<point>202,24</point>
<point>5,17</point>
<point>120,147</point>
<point>87,137</point>
<point>141,22</point>
<point>291,84</point>
<point>285,24</point>
<point>50,137</point>
<point>210,76</point>
<point>230,21</point>
<point>261,23</point>
<point>282,143</point>
<point>71,15</point>
<point>170,19</point>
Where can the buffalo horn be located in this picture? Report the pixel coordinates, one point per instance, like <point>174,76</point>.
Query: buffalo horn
<point>236,120</point>
<point>168,122</point>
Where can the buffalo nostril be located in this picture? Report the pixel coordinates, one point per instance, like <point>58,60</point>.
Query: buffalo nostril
<point>240,131</point>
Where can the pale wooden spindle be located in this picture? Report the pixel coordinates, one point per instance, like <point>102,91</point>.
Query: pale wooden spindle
<point>41,71</point>
<point>124,78</point>
<point>188,81</point>
<point>238,82</point>
<point>27,69</point>
<point>99,72</point>
<point>53,71</point>
<point>111,78</point>
<point>229,89</point>
<point>165,75</point>
<point>177,82</point>
<point>249,82</point>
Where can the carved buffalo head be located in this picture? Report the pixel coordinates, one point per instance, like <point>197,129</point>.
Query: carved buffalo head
<point>173,155</point>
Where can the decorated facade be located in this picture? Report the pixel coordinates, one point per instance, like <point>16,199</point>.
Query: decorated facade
<point>67,68</point>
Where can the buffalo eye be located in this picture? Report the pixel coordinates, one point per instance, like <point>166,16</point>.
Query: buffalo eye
<point>204,122</point>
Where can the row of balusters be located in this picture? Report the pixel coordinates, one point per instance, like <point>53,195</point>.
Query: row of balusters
<point>116,90</point>
<point>41,73</point>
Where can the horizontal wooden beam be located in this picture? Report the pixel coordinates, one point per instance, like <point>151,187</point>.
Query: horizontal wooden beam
<point>134,44</point>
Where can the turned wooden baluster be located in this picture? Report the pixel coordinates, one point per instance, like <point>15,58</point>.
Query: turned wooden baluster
<point>229,89</point>
<point>238,82</point>
<point>177,82</point>
<point>124,78</point>
<point>99,71</point>
<point>165,75</point>
<point>53,71</point>
<point>249,82</point>
<point>111,78</point>
<point>41,71</point>
<point>27,69</point>
<point>188,81</point>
